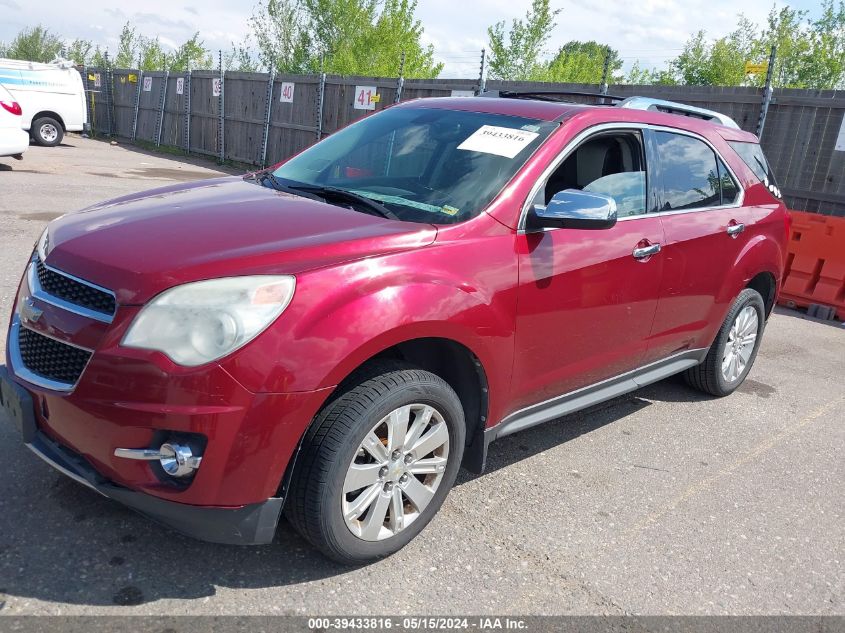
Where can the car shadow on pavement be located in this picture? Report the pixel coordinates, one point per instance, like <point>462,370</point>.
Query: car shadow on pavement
<point>63,543</point>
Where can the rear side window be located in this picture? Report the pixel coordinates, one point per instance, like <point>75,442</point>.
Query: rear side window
<point>690,172</point>
<point>753,156</point>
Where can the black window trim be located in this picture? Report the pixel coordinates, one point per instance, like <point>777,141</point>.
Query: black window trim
<point>653,174</point>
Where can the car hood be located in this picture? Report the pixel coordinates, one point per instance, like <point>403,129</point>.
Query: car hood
<point>141,244</point>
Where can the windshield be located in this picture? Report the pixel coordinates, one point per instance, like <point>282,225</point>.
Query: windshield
<point>423,165</point>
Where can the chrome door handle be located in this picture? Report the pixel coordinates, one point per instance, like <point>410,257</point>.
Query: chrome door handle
<point>646,251</point>
<point>735,229</point>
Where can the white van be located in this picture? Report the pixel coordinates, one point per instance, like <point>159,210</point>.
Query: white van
<point>51,96</point>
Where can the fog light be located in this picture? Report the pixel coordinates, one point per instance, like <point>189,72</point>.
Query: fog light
<point>177,460</point>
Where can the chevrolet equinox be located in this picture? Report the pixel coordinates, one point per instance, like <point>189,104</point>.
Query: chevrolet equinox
<point>336,336</point>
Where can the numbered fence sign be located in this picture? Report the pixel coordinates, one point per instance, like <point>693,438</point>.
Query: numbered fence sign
<point>365,98</point>
<point>840,140</point>
<point>148,84</point>
<point>216,85</point>
<point>180,85</point>
<point>286,95</point>
<point>98,82</point>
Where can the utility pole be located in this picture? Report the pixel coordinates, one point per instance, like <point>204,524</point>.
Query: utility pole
<point>605,71</point>
<point>767,93</point>
<point>108,79</point>
<point>321,100</point>
<point>221,117</point>
<point>401,82</point>
<point>482,81</point>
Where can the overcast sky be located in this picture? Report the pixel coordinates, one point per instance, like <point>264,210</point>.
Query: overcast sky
<point>650,30</point>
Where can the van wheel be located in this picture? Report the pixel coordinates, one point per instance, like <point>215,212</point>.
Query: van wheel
<point>377,463</point>
<point>47,131</point>
<point>733,352</point>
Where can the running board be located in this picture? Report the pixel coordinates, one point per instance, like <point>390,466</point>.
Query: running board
<point>586,397</point>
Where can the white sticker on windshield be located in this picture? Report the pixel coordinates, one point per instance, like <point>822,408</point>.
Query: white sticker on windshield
<point>502,141</point>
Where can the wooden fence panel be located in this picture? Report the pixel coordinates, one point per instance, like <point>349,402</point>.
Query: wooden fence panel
<point>173,124</point>
<point>293,126</point>
<point>204,113</point>
<point>124,90</point>
<point>148,106</point>
<point>799,138</point>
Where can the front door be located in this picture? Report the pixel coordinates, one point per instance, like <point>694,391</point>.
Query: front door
<point>586,300</point>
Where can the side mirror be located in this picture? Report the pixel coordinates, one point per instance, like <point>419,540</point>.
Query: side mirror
<point>573,209</point>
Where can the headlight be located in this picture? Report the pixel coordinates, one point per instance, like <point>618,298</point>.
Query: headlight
<point>199,322</point>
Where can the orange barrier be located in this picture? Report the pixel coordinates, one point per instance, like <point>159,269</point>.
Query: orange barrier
<point>815,264</point>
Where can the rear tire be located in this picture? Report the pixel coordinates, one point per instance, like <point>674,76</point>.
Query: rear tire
<point>47,132</point>
<point>733,352</point>
<point>401,430</point>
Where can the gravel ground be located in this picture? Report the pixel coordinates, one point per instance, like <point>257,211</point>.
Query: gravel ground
<point>660,502</point>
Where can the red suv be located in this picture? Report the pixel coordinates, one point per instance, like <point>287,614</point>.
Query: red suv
<point>336,336</point>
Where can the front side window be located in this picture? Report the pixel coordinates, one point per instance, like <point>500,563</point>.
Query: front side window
<point>690,172</point>
<point>424,165</point>
<point>611,163</point>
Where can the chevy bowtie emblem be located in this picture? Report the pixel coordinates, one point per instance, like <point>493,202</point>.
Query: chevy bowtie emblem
<point>28,311</point>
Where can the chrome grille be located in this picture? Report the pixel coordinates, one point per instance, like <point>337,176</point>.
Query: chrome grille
<point>73,291</point>
<point>51,359</point>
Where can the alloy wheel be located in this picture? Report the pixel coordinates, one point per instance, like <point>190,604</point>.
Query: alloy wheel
<point>395,472</point>
<point>740,344</point>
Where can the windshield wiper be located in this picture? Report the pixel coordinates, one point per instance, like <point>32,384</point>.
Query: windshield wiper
<point>275,183</point>
<point>326,192</point>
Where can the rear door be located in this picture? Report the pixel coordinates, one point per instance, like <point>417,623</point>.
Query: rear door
<point>704,231</point>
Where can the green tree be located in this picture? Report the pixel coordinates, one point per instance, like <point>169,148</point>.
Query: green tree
<point>79,51</point>
<point>827,39</point>
<point>36,44</point>
<point>241,58</point>
<point>717,63</point>
<point>346,37</point>
<point>151,55</point>
<point>516,54</point>
<point>355,37</point>
<point>583,63</point>
<point>788,30</point>
<point>639,76</point>
<point>810,52</point>
<point>279,28</point>
<point>190,55</point>
<point>98,58</point>
<point>126,48</point>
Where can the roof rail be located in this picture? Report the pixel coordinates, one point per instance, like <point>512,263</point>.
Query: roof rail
<point>547,95</point>
<point>672,107</point>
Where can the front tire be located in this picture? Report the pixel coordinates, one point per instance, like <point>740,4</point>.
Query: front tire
<point>47,132</point>
<point>377,463</point>
<point>733,352</point>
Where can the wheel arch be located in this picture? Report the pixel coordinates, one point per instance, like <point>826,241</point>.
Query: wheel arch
<point>766,284</point>
<point>758,265</point>
<point>52,115</point>
<point>451,360</point>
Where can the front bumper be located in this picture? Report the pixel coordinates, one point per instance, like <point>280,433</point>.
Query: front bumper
<point>252,524</point>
